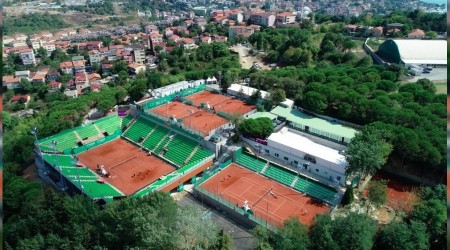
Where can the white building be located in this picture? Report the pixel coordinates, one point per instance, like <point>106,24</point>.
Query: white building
<point>28,57</point>
<point>174,88</point>
<point>245,92</point>
<point>139,54</point>
<point>304,154</point>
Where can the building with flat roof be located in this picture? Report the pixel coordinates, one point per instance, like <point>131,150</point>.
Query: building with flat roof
<point>313,125</point>
<point>419,52</point>
<point>307,156</point>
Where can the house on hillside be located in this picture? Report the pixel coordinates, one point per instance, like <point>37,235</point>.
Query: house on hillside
<point>416,34</point>
<point>25,99</point>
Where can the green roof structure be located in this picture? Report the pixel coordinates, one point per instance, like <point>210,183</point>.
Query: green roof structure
<point>314,125</point>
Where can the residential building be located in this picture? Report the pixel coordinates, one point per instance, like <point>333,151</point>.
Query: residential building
<point>236,15</point>
<point>21,98</point>
<point>49,47</point>
<point>94,57</point>
<point>285,18</point>
<point>18,43</point>
<point>54,85</point>
<point>11,82</point>
<point>416,34</point>
<point>66,67</point>
<point>27,56</point>
<point>135,68</point>
<point>106,69</point>
<point>139,54</point>
<point>149,29</point>
<point>263,18</point>
<point>52,75</point>
<point>39,78</point>
<point>81,80</point>
<point>244,31</point>
<point>79,66</point>
<point>23,74</point>
<point>94,45</point>
<point>377,31</point>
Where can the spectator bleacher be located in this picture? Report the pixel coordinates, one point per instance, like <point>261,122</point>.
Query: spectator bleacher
<point>109,124</point>
<point>127,119</point>
<point>286,177</point>
<point>139,129</point>
<point>65,140</point>
<point>179,149</point>
<point>251,162</point>
<point>87,131</point>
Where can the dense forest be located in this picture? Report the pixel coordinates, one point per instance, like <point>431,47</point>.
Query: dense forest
<point>32,23</point>
<point>416,19</point>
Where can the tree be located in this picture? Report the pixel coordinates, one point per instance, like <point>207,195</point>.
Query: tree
<point>315,102</point>
<point>355,231</point>
<point>320,233</point>
<point>367,152</point>
<point>229,77</point>
<point>348,196</point>
<point>106,104</point>
<point>431,34</point>
<point>261,235</point>
<point>277,96</point>
<point>377,192</point>
<point>400,235</point>
<point>223,241</point>
<point>255,96</point>
<point>25,85</point>
<point>433,213</point>
<point>260,127</point>
<point>293,235</point>
<point>163,66</point>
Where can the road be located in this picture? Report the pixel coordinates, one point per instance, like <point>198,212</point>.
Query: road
<point>245,59</point>
<point>242,239</point>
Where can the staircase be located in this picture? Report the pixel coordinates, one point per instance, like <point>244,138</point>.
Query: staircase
<point>149,134</point>
<point>294,181</point>
<point>192,154</point>
<point>78,136</point>
<point>129,126</point>
<point>168,142</point>
<point>162,140</point>
<point>265,167</point>
<point>99,131</point>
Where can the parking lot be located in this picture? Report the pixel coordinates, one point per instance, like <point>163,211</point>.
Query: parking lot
<point>436,74</point>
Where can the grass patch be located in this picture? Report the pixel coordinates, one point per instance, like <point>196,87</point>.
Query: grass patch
<point>441,88</point>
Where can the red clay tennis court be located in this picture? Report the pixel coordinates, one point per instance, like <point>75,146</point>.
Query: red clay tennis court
<point>204,122</point>
<point>206,96</point>
<point>131,169</point>
<point>268,199</point>
<point>400,195</point>
<point>234,106</point>
<point>177,109</point>
<point>199,120</point>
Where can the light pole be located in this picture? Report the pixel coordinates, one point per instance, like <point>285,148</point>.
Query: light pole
<point>34,132</point>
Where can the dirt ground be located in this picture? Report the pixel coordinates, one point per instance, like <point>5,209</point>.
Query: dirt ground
<point>245,59</point>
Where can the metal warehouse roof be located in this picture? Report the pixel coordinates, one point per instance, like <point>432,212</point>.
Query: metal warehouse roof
<point>301,118</point>
<point>422,51</point>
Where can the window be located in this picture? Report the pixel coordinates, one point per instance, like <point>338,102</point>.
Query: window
<point>326,173</point>
<point>296,162</point>
<point>339,178</point>
<point>286,159</point>
<point>277,155</point>
<point>317,170</point>
<point>267,151</point>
